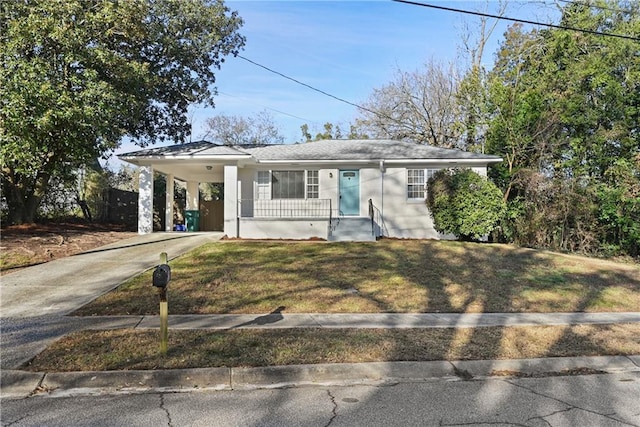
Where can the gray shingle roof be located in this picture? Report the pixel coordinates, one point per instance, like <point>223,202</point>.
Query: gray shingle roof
<point>324,150</point>
<point>200,148</point>
<point>365,149</point>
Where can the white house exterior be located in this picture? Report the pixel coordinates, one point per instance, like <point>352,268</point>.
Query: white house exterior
<point>328,189</point>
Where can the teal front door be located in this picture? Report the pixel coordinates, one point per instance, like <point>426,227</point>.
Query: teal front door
<point>350,192</point>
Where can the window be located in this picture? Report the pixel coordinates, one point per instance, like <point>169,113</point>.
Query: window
<point>287,185</point>
<point>263,185</point>
<point>417,182</point>
<point>313,185</point>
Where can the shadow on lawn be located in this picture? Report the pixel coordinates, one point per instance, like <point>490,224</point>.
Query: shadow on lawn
<point>388,276</point>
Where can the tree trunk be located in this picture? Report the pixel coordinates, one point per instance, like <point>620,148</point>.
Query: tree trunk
<point>23,198</point>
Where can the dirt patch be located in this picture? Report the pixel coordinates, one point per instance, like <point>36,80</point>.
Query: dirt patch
<point>31,244</point>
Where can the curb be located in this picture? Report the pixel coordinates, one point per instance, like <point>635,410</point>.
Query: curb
<point>22,384</point>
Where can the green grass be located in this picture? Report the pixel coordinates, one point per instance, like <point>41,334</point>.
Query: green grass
<point>386,276</point>
<point>128,349</point>
<point>14,260</point>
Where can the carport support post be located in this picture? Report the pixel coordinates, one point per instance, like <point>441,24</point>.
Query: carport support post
<point>145,200</point>
<point>168,219</point>
<point>164,312</point>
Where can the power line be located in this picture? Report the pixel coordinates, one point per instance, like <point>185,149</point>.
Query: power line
<point>301,83</point>
<point>376,113</point>
<point>311,87</point>
<point>524,21</point>
<point>268,108</point>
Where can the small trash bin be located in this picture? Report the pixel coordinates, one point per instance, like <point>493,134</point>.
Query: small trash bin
<point>192,220</point>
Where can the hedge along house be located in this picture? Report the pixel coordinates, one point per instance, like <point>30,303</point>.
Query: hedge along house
<point>328,189</point>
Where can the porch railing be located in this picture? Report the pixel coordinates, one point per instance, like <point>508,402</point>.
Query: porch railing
<point>378,227</point>
<point>286,208</point>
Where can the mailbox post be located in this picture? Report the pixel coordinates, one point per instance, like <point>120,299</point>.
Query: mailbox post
<point>161,279</point>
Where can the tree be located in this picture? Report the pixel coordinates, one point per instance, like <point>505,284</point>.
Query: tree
<point>420,106</point>
<point>78,75</point>
<point>464,203</point>
<point>473,89</point>
<point>566,121</point>
<point>332,131</point>
<point>237,130</point>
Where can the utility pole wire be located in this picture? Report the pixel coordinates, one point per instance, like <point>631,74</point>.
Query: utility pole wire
<point>308,86</point>
<point>376,113</point>
<point>524,21</point>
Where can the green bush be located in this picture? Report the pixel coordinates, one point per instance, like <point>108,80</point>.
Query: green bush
<point>464,203</point>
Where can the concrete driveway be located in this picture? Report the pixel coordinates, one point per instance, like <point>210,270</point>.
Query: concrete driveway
<point>35,300</point>
<point>63,285</point>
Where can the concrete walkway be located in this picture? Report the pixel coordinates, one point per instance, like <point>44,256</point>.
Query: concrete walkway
<point>360,321</point>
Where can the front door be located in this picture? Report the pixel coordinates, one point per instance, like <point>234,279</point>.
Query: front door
<point>350,192</point>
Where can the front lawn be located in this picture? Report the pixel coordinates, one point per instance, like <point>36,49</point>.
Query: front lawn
<point>387,276</point>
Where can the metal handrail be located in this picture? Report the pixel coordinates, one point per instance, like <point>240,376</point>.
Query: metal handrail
<point>285,208</point>
<point>371,215</point>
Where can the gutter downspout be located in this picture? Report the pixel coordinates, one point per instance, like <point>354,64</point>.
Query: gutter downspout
<point>382,171</point>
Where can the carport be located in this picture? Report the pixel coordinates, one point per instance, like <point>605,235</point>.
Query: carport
<point>192,163</point>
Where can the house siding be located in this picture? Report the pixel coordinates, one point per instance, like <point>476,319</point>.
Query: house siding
<point>384,182</point>
<point>398,216</point>
<point>404,218</point>
<point>278,228</point>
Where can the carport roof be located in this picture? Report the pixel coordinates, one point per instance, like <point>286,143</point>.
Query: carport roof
<point>192,149</point>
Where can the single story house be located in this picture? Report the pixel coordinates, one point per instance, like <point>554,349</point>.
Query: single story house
<point>329,189</point>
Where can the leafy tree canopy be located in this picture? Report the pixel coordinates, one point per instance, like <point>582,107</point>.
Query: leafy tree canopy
<point>565,117</point>
<point>78,75</point>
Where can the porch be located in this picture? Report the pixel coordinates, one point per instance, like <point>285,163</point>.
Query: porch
<point>301,219</point>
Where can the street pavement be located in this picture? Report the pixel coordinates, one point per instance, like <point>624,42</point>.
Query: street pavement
<point>585,400</point>
<point>35,301</point>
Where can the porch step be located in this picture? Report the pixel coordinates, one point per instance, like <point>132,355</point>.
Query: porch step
<point>356,229</point>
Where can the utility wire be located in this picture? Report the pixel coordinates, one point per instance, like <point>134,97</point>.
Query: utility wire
<point>300,83</point>
<point>268,108</point>
<point>376,113</point>
<point>524,21</point>
<point>309,86</point>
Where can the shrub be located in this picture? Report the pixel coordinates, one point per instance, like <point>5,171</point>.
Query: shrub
<point>464,203</point>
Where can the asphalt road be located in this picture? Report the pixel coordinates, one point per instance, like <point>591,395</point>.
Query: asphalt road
<point>587,400</point>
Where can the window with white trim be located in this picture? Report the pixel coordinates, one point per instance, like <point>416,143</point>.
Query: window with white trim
<point>263,185</point>
<point>287,185</point>
<point>313,185</point>
<point>417,183</point>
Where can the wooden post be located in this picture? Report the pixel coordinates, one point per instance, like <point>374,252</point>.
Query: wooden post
<point>164,312</point>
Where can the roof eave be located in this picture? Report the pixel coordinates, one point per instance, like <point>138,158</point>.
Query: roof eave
<point>387,161</point>
<point>184,157</point>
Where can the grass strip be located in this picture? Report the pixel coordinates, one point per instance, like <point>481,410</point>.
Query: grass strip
<point>128,349</point>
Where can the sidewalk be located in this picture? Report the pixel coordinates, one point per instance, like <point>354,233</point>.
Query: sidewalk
<point>15,383</point>
<point>362,320</point>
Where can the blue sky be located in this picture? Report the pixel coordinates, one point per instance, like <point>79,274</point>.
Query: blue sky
<point>345,48</point>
